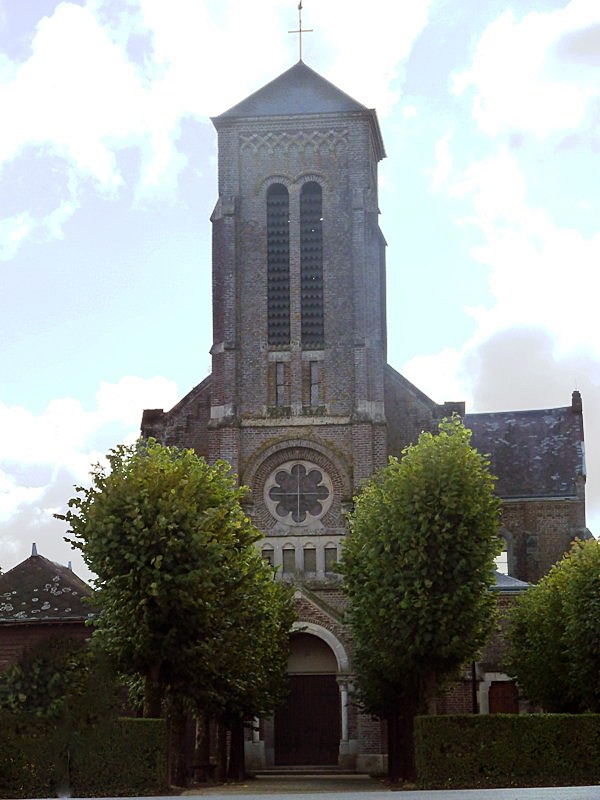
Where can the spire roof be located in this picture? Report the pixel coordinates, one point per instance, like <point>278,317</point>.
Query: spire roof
<point>298,90</point>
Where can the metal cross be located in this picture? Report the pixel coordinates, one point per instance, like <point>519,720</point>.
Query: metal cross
<point>300,30</point>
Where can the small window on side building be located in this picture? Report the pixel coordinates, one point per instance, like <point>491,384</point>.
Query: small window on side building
<point>502,562</point>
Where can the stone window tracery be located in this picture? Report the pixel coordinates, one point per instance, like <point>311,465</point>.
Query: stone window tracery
<point>298,493</point>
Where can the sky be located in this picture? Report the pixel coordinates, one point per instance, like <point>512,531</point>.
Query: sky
<point>490,114</point>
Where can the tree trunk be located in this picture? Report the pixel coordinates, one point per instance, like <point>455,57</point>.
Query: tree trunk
<point>177,746</point>
<point>393,737</point>
<point>237,766</point>
<point>203,769</point>
<point>401,742</point>
<point>152,693</point>
<point>221,752</point>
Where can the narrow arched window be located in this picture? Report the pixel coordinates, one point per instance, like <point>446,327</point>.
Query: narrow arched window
<point>289,559</point>
<point>310,558</point>
<point>278,264</point>
<point>311,264</point>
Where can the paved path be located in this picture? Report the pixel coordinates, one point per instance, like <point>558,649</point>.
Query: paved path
<point>361,787</point>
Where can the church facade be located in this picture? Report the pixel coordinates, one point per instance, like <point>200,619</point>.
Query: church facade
<point>303,405</point>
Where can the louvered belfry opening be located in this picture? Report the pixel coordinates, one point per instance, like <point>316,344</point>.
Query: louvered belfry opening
<point>278,264</point>
<point>311,264</point>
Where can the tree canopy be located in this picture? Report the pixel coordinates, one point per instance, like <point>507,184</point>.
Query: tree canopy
<point>183,595</point>
<point>554,634</point>
<point>418,565</point>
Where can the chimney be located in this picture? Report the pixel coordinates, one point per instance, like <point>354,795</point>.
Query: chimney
<point>34,551</point>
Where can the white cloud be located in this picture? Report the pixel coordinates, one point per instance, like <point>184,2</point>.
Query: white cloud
<point>520,74</point>
<point>13,231</point>
<point>54,222</point>
<point>372,47</point>
<point>13,496</point>
<point>542,275</point>
<point>124,400</point>
<point>104,77</point>
<point>79,97</point>
<point>72,108</point>
<point>440,375</point>
<point>443,163</point>
<point>43,455</point>
<point>17,229</point>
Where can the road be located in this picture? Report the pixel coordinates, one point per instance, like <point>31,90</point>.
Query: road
<point>360,787</point>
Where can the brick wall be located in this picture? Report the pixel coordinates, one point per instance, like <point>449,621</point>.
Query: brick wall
<point>539,533</point>
<point>458,699</point>
<point>16,640</point>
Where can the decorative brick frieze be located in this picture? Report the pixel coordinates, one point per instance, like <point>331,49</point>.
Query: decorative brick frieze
<point>271,141</point>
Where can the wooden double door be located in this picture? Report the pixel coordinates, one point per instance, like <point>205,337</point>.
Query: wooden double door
<point>503,698</point>
<point>308,726</point>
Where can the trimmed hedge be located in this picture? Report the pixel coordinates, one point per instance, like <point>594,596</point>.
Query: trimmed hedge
<point>32,757</point>
<point>464,752</point>
<point>44,758</point>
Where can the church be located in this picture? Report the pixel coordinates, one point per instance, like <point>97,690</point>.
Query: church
<point>304,406</point>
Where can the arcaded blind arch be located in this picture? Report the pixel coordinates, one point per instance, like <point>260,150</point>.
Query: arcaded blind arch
<point>311,264</point>
<point>278,264</point>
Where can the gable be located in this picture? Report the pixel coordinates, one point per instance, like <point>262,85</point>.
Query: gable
<point>409,411</point>
<point>186,424</point>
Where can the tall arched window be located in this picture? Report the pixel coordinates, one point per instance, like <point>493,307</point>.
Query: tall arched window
<point>278,264</point>
<point>311,264</point>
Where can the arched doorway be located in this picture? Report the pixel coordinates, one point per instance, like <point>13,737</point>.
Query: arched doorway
<point>308,724</point>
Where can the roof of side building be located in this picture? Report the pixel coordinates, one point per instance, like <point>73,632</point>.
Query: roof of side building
<point>39,590</point>
<point>533,453</point>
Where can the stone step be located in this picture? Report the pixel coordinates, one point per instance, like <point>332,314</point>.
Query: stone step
<point>305,771</point>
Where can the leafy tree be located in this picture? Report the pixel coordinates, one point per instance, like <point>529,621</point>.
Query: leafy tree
<point>418,566</point>
<point>177,570</point>
<point>61,677</point>
<point>246,662</point>
<point>554,634</point>
<point>258,680</point>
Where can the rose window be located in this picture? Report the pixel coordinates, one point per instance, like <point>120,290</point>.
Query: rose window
<point>298,492</point>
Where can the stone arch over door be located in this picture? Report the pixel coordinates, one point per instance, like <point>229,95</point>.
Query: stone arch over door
<point>343,662</point>
<point>311,724</point>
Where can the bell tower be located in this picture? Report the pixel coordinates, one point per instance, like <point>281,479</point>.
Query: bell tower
<point>298,277</point>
